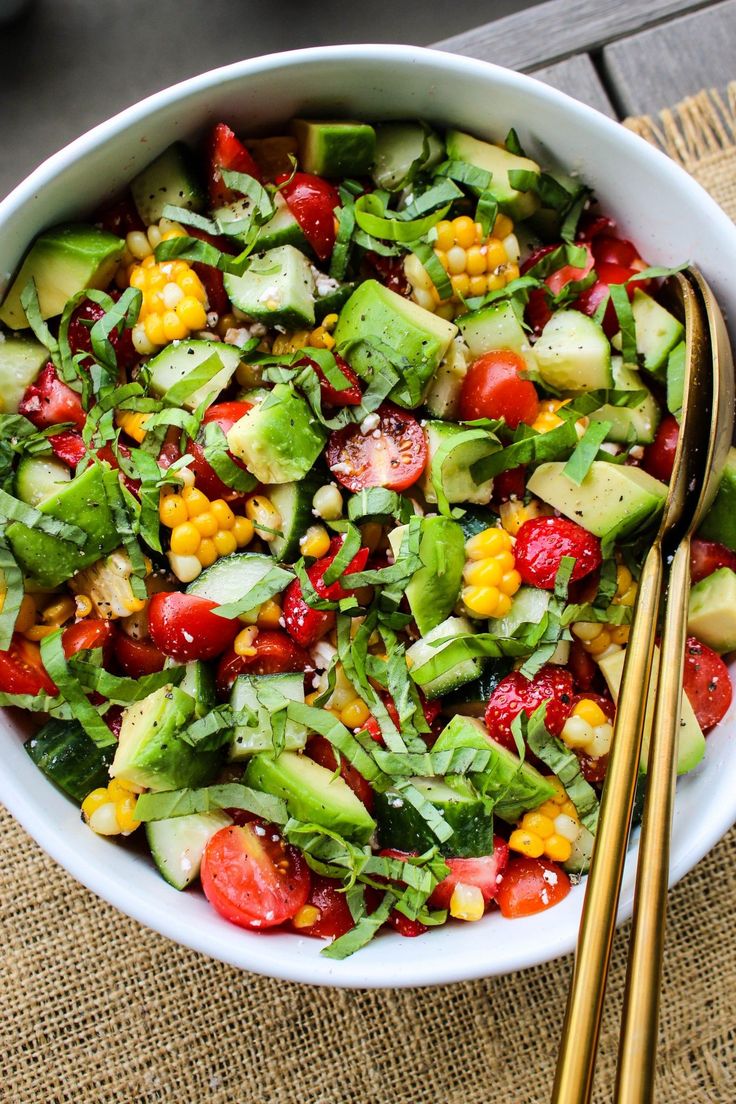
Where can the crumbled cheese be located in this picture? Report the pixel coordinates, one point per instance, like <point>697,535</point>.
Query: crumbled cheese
<point>637,452</point>
<point>237,336</point>
<point>323,654</point>
<point>369,423</point>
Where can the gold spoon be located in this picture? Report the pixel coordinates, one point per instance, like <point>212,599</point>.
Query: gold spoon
<point>576,1059</point>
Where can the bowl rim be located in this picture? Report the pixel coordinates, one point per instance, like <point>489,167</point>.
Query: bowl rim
<point>100,878</point>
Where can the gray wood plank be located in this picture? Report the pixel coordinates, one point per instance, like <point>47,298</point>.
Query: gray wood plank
<point>649,71</point>
<point>560,28</point>
<point>578,77</point>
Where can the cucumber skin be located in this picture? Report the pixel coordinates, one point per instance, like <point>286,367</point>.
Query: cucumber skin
<point>286,549</point>
<point>66,755</point>
<point>402,828</point>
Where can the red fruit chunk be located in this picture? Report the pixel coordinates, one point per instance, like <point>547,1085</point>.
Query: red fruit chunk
<point>659,457</point>
<point>321,751</point>
<point>312,202</point>
<point>184,627</point>
<point>334,914</point>
<point>68,446</point>
<point>226,151</point>
<point>509,484</point>
<point>531,885</point>
<point>121,217</point>
<point>483,872</point>
<point>80,326</point>
<point>138,657</point>
<point>707,683</point>
<point>393,455</point>
<point>49,401</point>
<point>543,542</point>
<point>276,653</point>
<point>21,670</point>
<point>349,396</point>
<point>707,556</point>
<point>225,415</point>
<point>307,625</point>
<point>515,693</point>
<point>493,388</point>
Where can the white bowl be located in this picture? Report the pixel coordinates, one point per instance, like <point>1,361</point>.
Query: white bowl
<point>655,202</point>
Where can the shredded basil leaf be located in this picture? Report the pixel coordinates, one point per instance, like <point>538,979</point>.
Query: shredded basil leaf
<point>228,795</point>
<point>11,594</point>
<point>273,582</point>
<point>70,690</point>
<point>586,450</point>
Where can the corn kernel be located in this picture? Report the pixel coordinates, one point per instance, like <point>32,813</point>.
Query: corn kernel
<point>124,813</point>
<point>172,511</point>
<point>558,848</point>
<point>527,843</point>
<point>576,733</point>
<point>490,542</point>
<point>464,231</point>
<point>138,244</point>
<point>269,615</point>
<point>222,514</point>
<point>185,539</point>
<point>587,631</point>
<point>60,611</point>
<point>460,284</point>
<point>355,714</point>
<point>26,614</point>
<point>467,902</point>
<point>265,517</point>
<point>191,285</point>
<point>503,226</point>
<point>103,821</point>
<point>327,502</point>
<point>39,632</point>
<point>445,235</point>
<point>224,542</point>
<point>315,542</point>
<point>567,826</point>
<point>93,801</point>
<point>483,573</point>
<point>244,641</point>
<point>116,790</point>
<point>560,793</point>
<point>206,523</point>
<point>590,711</point>
<point>243,531</point>
<point>306,916</point>
<point>477,285</point>
<point>515,513</point>
<point>186,568</point>
<point>619,634</point>
<point>207,552</point>
<point>174,328</point>
<point>196,501</point>
<point>495,255</point>
<point>538,824</point>
<point>481,601</point>
<point>503,605</point>
<point>476,261</point>
<point>568,809</point>
<point>549,809</point>
<point>171,296</point>
<point>191,313</point>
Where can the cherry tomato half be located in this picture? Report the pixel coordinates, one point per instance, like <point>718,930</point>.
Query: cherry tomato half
<point>87,634</point>
<point>541,544</point>
<point>483,872</point>
<point>225,415</point>
<point>252,878</point>
<point>707,556</point>
<point>68,447</point>
<point>531,885</point>
<point>659,457</point>
<point>49,401</point>
<point>707,683</point>
<point>184,627</point>
<point>509,484</point>
<point>21,669</point>
<point>226,151</point>
<point>276,653</point>
<point>307,625</point>
<point>348,396</point>
<point>334,915</point>
<point>138,657</point>
<point>321,751</point>
<point>515,693</point>
<point>393,455</point>
<point>493,388</point>
<point>80,339</point>
<point>312,202</point>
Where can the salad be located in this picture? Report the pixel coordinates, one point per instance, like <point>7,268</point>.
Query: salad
<point>328,464</point>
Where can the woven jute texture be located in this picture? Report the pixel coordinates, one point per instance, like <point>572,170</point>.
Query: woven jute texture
<point>97,1010</point>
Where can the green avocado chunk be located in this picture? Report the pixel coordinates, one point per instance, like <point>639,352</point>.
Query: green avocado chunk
<point>412,335</point>
<point>337,148</point>
<point>312,793</point>
<point>434,588</point>
<point>720,521</point>
<point>21,359</point>
<point>150,752</point>
<point>279,439</point>
<point>629,424</point>
<point>657,332</point>
<point>712,610</point>
<point>499,162</point>
<point>62,261</point>
<point>48,561</point>
<point>612,500</point>
<point>514,786</point>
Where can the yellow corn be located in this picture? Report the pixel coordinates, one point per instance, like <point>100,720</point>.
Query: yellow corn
<point>201,531</point>
<point>172,510</point>
<point>206,523</point>
<point>269,615</point>
<point>59,611</point>
<point>548,418</point>
<point>196,501</point>
<point>306,916</point>
<point>355,713</point>
<point>315,542</point>
<point>490,574</point>
<point>222,514</point>
<point>174,299</point>
<point>626,587</point>
<point>109,810</point>
<point>467,902</point>
<point>185,539</point>
<point>526,843</point>
<point>327,502</point>
<point>588,729</point>
<point>550,830</point>
<point>590,711</point>
<point>318,338</point>
<point>207,552</point>
<point>132,423</point>
<point>264,515</point>
<point>243,531</point>
<point>514,513</point>
<point>245,640</point>
<point>225,542</point>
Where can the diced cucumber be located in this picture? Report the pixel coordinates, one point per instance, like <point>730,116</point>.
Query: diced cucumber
<point>434,587</point>
<point>720,521</point>
<point>277,288</point>
<point>281,229</point>
<point>66,755</point>
<point>676,379</point>
<point>421,654</point>
<point>176,361</point>
<point>334,147</point>
<point>294,504</point>
<point>528,607</point>
<point>657,332</point>
<point>170,179</point>
<point>582,853</point>
<point>629,424</point>
<point>231,577</point>
<point>499,162</point>
<point>458,483</point>
<point>613,499</point>
<point>496,327</point>
<point>443,396</point>
<point>332,301</point>
<point>475,520</point>
<point>251,738</point>
<point>401,147</point>
<point>177,844</point>
<point>573,353</point>
<point>401,827</point>
<point>39,477</point>
<point>471,699</point>
<point>21,359</point>
<point>199,683</point>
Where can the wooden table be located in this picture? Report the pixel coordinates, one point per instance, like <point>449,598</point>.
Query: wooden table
<point>630,57</point>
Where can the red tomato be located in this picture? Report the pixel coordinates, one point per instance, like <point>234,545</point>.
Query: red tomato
<point>531,885</point>
<point>312,202</point>
<point>184,627</point>
<point>252,877</point>
<point>87,634</point>
<point>592,770</point>
<point>389,271</point>
<point>538,311</point>
<point>541,544</point>
<point>106,454</point>
<point>21,669</point>
<point>659,457</point>
<point>227,152</point>
<point>515,693</point>
<point>68,446</point>
<point>276,653</point>
<point>321,750</point>
<point>608,249</point>
<point>49,402</point>
<point>483,872</point>
<point>334,914</point>
<point>225,415</point>
<point>349,396</point>
<point>212,277</point>
<point>80,341</point>
<point>404,925</point>
<point>138,657</point>
<point>568,274</point>
<point>493,388</point>
<point>707,556</point>
<point>120,217</point>
<point>582,666</point>
<point>707,683</point>
<point>393,455</point>
<point>589,300</point>
<point>307,625</point>
<point>509,484</point>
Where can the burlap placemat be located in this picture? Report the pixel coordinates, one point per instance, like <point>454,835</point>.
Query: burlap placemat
<point>97,1010</point>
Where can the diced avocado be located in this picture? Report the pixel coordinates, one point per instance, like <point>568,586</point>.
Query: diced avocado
<point>277,288</point>
<point>199,684</point>
<point>454,456</point>
<point>612,500</point>
<point>279,439</point>
<point>312,793</point>
<point>62,261</point>
<point>421,654</point>
<point>251,738</point>
<point>514,786</point>
<point>416,336</point>
<point>528,607</point>
<point>401,827</point>
<point>629,424</point>
<point>496,327</point>
<point>401,148</point>
<point>176,361</point>
<point>712,610</point>
<point>692,741</point>
<point>281,229</point>
<point>334,147</point>
<point>170,179</point>
<point>676,379</point>
<point>720,521</point>
<point>21,359</point>
<point>150,753</point>
<point>48,561</point>
<point>433,589</point>
<point>177,844</point>
<point>573,353</point>
<point>499,162</point>
<point>443,397</point>
<point>657,332</point>
<point>38,478</point>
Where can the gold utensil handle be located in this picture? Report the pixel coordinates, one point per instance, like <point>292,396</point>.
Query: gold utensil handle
<point>576,1061</point>
<point>638,1042</point>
